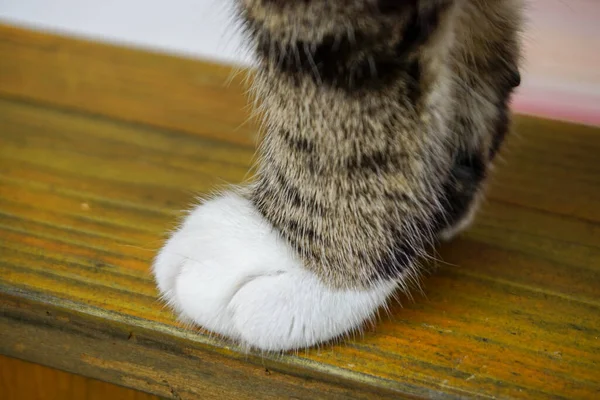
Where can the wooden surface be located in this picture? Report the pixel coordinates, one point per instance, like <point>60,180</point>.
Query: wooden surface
<point>101,147</point>
<point>20,380</point>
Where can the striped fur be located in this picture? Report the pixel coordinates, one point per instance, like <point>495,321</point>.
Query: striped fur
<point>382,119</point>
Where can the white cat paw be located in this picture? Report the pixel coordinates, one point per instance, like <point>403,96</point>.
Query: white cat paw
<point>228,271</point>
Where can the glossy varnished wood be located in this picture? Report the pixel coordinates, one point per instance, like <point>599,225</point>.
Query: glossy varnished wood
<point>92,178</point>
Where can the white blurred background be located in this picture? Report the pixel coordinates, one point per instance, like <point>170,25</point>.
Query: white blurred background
<point>561,76</point>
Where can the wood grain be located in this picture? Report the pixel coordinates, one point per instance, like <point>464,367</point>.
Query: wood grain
<point>165,91</point>
<point>20,380</point>
<point>86,195</point>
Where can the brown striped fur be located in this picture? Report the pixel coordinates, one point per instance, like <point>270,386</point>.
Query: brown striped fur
<point>382,118</point>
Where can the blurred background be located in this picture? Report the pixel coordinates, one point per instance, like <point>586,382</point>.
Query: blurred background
<point>561,74</point>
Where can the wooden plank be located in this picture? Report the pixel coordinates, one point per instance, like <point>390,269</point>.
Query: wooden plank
<point>138,86</point>
<point>165,360</point>
<point>20,380</point>
<point>85,201</point>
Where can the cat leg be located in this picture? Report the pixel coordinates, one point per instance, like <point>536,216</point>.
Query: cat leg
<point>486,67</point>
<point>352,170</point>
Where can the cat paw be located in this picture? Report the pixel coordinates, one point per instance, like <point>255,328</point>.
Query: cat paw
<point>227,270</point>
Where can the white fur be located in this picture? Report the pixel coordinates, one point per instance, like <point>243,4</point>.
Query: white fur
<point>229,271</point>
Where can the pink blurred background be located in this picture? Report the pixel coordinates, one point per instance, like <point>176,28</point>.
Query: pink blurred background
<point>561,74</point>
